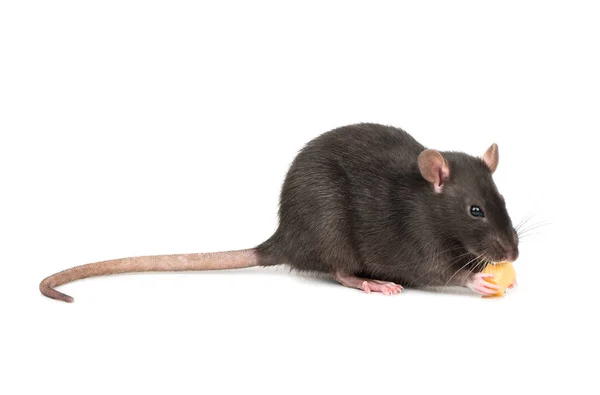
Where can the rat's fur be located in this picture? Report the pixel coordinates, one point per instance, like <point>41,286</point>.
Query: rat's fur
<point>355,201</point>
<point>362,200</point>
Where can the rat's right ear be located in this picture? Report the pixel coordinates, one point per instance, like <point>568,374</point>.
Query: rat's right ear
<point>490,158</point>
<point>434,168</point>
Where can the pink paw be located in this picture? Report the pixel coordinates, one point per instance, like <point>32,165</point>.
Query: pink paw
<point>367,285</point>
<point>479,284</point>
<point>385,287</point>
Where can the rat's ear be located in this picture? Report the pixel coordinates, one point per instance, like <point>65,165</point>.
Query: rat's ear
<point>434,168</point>
<point>491,157</point>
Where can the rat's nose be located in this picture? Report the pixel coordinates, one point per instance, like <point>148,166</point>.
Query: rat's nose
<point>511,252</point>
<point>511,246</point>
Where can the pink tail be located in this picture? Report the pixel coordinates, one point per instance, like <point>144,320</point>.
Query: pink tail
<point>156,263</point>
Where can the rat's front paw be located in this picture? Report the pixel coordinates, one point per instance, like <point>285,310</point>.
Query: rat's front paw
<point>480,284</point>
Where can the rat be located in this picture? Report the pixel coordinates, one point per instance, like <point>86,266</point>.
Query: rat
<point>373,208</point>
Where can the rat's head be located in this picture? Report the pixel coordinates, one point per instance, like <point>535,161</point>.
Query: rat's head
<point>468,203</point>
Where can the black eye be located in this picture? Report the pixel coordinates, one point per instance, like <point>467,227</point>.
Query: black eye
<point>476,211</point>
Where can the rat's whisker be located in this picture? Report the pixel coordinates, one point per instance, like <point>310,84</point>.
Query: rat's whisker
<point>524,221</point>
<point>443,263</point>
<point>433,258</point>
<point>455,273</point>
<point>532,227</point>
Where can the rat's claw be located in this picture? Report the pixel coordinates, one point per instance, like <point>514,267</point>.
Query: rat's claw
<point>393,288</point>
<point>386,287</point>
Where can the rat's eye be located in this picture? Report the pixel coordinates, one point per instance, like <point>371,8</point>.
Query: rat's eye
<point>476,211</point>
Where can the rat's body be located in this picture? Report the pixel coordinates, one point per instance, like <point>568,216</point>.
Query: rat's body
<point>371,206</point>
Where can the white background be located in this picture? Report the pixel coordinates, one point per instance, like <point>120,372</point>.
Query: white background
<point>135,128</point>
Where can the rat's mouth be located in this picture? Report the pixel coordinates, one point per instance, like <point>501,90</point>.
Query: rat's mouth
<point>503,261</point>
<point>484,258</point>
<point>500,259</point>
<point>493,255</point>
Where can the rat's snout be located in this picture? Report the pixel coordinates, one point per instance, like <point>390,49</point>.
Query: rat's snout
<point>512,253</point>
<point>504,247</point>
<point>511,247</point>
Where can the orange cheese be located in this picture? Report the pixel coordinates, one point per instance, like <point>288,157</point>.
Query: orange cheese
<point>504,275</point>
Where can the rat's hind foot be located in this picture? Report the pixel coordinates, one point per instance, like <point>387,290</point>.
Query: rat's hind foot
<point>385,287</point>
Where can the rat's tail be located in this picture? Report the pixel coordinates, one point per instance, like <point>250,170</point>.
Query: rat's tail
<point>157,263</point>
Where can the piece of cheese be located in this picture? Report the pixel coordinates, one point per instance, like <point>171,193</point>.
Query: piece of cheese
<point>504,275</point>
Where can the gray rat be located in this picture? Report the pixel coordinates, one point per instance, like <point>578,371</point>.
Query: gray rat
<point>373,208</point>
